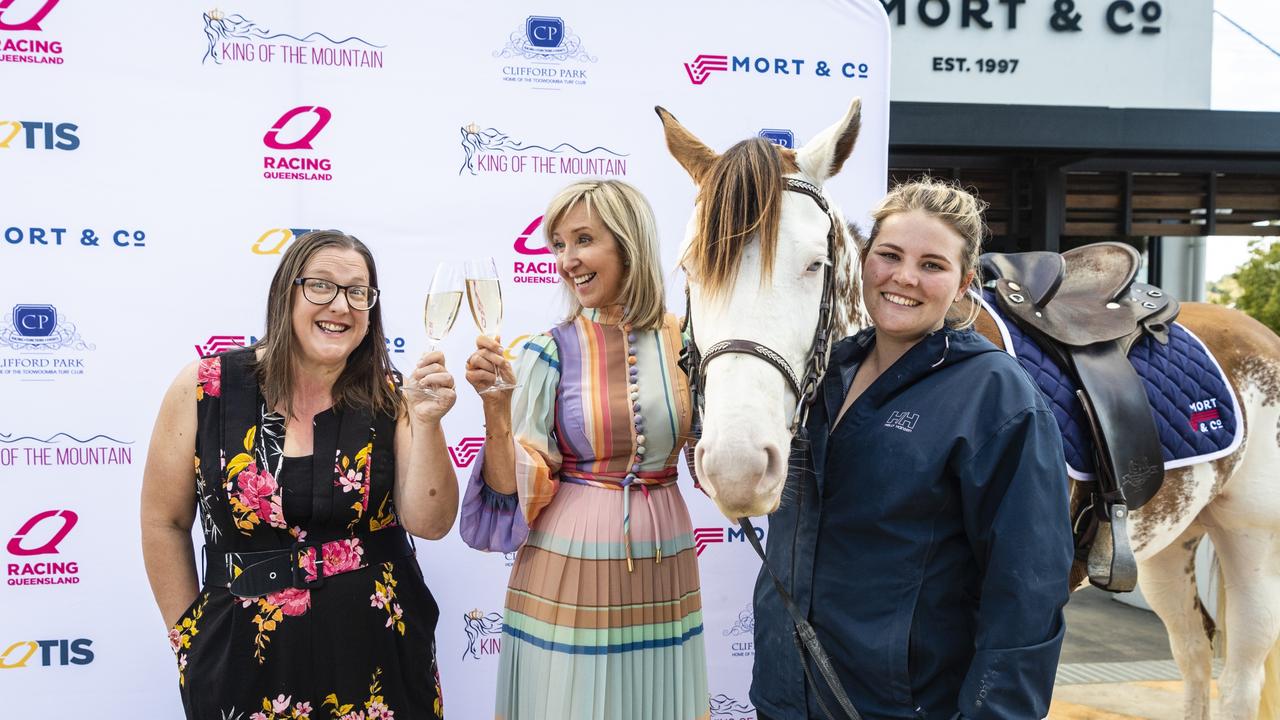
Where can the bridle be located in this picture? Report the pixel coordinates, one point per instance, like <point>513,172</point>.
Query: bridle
<point>805,390</point>
<point>815,364</point>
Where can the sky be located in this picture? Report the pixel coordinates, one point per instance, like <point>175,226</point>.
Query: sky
<point>1246,76</point>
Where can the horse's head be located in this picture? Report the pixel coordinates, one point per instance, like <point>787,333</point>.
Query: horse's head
<point>755,256</point>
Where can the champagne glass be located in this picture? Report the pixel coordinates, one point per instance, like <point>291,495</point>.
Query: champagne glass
<point>484,295</point>
<point>444,297</point>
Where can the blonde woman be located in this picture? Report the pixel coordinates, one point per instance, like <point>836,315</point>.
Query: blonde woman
<point>603,616</point>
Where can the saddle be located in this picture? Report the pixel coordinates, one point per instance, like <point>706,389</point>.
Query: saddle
<point>1084,308</point>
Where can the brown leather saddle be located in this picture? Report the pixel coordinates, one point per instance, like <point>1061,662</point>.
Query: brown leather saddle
<point>1084,309</point>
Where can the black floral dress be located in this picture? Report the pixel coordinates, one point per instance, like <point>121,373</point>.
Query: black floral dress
<point>357,646</point>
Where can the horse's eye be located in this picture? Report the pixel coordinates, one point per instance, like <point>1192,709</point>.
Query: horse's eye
<point>816,265</point>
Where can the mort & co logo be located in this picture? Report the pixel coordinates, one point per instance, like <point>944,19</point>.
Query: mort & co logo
<point>63,449</point>
<point>484,634</point>
<point>294,131</point>
<point>703,537</point>
<point>222,343</point>
<point>233,38</point>
<point>465,452</point>
<point>702,67</point>
<point>49,236</point>
<point>492,151</point>
<point>535,266</point>
<point>25,16</point>
<point>46,343</point>
<point>539,52</point>
<point>38,135</point>
<point>41,535</point>
<point>22,653</point>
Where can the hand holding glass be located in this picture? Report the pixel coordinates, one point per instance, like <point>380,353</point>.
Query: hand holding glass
<point>444,297</point>
<point>484,295</point>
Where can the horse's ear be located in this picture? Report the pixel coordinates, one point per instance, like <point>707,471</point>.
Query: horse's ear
<point>695,157</point>
<point>824,155</point>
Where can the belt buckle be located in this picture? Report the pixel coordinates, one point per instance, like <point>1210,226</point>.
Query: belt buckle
<point>298,573</point>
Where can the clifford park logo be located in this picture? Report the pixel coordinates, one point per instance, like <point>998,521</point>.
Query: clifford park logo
<point>39,343</point>
<point>22,39</point>
<point>546,54</point>
<point>490,151</point>
<point>291,137</point>
<point>232,38</point>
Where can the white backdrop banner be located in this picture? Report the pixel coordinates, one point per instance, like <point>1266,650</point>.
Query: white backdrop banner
<point>156,159</point>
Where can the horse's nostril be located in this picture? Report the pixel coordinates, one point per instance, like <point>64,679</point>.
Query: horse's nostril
<point>774,461</point>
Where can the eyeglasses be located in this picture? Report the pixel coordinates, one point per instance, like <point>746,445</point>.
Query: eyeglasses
<point>322,292</point>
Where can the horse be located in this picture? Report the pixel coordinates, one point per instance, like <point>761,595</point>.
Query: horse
<point>754,258</point>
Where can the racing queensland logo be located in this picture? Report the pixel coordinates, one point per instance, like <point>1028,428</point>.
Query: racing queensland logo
<point>705,66</point>
<point>490,151</point>
<point>34,551</point>
<point>27,45</point>
<point>545,54</point>
<point>292,136</point>
<point>534,263</point>
<point>484,634</point>
<point>233,38</point>
<point>38,343</point>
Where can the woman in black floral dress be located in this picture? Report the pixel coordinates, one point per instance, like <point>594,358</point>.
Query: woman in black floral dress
<point>309,466</point>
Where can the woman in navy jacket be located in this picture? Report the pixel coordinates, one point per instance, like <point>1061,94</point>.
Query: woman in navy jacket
<point>928,538</point>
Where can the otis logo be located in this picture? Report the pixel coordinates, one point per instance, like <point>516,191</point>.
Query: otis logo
<point>544,42</point>
<point>532,271</point>
<point>27,18</point>
<point>222,343</point>
<point>783,138</point>
<point>702,66</point>
<point>512,351</point>
<point>40,535</point>
<point>705,536</point>
<point>38,135</point>
<point>41,331</point>
<point>296,130</point>
<point>235,38</point>
<point>465,452</point>
<point>52,652</point>
<point>492,151</point>
<point>484,634</point>
<point>272,242</point>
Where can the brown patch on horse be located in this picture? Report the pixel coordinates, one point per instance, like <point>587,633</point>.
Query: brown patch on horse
<point>692,154</point>
<point>739,198</point>
<point>985,324</point>
<point>847,139</point>
<point>1169,503</point>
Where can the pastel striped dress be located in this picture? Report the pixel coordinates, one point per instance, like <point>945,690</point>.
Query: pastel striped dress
<point>603,615</point>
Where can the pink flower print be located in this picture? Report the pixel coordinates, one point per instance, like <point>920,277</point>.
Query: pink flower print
<point>342,555</point>
<point>210,376</point>
<point>175,640</point>
<point>356,715</point>
<point>291,601</point>
<point>378,600</point>
<point>379,711</point>
<point>352,480</point>
<point>302,709</point>
<point>281,704</point>
<point>307,561</point>
<point>395,614</point>
<point>259,492</point>
<point>258,716</point>
<point>182,662</point>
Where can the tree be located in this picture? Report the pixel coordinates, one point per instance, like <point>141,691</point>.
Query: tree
<point>1259,281</point>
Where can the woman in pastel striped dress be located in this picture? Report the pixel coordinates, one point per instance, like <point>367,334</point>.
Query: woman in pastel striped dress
<point>603,615</point>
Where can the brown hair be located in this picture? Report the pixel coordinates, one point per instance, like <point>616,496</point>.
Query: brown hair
<point>953,205</point>
<point>740,195</point>
<point>366,381</point>
<point>627,215</point>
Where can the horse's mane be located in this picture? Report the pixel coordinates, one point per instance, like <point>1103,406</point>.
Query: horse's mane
<point>741,197</point>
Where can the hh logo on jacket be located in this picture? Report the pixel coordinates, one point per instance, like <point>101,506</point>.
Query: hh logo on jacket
<point>902,420</point>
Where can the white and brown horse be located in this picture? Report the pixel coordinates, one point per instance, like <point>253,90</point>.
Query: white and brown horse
<point>754,256</point>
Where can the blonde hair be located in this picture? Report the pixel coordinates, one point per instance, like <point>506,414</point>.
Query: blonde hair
<point>626,214</point>
<point>959,209</point>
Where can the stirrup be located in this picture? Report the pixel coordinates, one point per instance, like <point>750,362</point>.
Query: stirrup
<point>1111,564</point>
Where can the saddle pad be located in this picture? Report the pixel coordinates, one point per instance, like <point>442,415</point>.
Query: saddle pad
<point>1194,408</point>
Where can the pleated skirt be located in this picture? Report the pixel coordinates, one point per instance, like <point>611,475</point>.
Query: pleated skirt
<point>584,638</point>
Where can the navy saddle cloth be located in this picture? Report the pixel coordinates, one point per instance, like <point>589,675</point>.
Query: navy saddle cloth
<point>1193,406</point>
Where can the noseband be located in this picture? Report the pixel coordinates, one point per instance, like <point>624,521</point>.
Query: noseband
<point>816,363</point>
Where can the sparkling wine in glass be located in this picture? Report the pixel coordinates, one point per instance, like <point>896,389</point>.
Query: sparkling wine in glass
<point>484,295</point>
<point>444,297</point>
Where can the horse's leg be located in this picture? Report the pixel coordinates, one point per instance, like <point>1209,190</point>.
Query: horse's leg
<point>1250,560</point>
<point>1168,583</point>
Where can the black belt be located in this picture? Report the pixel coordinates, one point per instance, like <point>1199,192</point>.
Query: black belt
<point>303,565</point>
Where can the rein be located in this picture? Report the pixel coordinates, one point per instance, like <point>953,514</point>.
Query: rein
<point>805,390</point>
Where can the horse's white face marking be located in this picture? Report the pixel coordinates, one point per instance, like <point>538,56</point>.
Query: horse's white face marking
<point>746,438</point>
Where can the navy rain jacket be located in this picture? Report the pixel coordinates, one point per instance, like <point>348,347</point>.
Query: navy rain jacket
<point>927,539</point>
